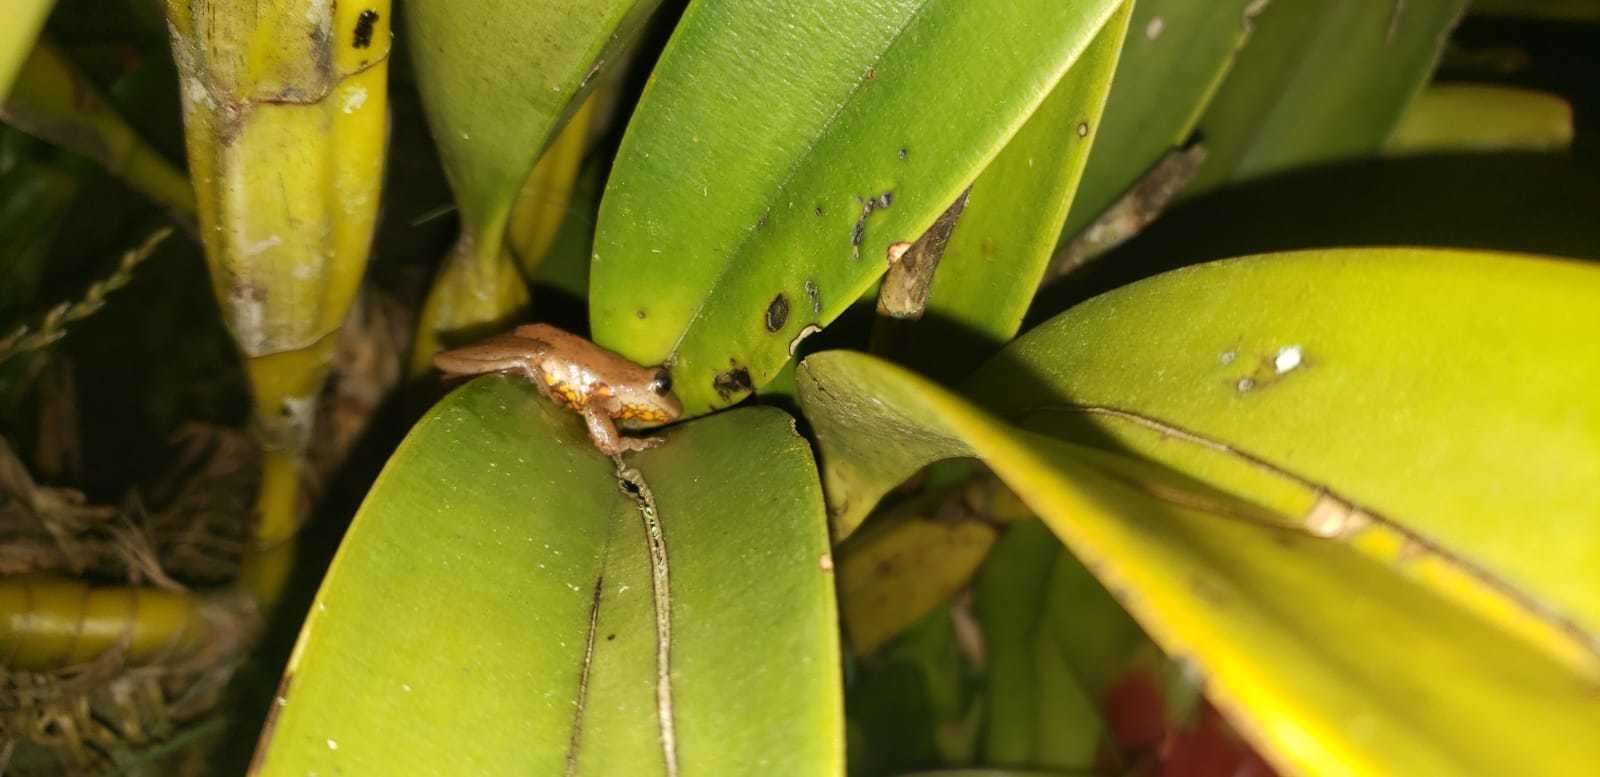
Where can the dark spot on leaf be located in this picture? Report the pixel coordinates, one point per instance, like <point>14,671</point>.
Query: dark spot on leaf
<point>857,233</point>
<point>734,380</point>
<point>885,199</point>
<point>629,486</point>
<point>364,25</point>
<point>639,313</point>
<point>610,637</point>
<point>777,313</point>
<point>815,295</point>
<point>820,211</point>
<point>761,223</point>
<point>872,73</point>
<point>904,153</point>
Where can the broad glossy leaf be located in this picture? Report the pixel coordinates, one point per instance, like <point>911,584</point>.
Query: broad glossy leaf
<point>1447,390</point>
<point>737,215</point>
<point>1007,233</point>
<point>494,608</point>
<point>1320,80</point>
<point>1175,55</point>
<point>499,78</point>
<point>1390,563</point>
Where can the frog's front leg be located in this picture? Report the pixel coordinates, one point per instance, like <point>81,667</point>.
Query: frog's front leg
<point>603,432</point>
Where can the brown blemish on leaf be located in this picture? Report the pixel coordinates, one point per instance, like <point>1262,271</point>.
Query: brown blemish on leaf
<point>906,286</point>
<point>777,313</point>
<point>859,231</point>
<point>734,380</point>
<point>815,295</point>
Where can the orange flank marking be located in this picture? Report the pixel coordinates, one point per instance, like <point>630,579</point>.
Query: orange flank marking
<point>643,413</point>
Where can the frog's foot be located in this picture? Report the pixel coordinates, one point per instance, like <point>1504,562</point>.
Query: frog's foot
<point>603,432</point>
<point>639,443</point>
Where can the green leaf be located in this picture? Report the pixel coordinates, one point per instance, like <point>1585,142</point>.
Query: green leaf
<point>1458,118</point>
<point>915,703</point>
<point>24,20</point>
<point>1056,642</point>
<point>1392,530</point>
<point>1320,80</point>
<point>736,214</point>
<point>490,126</point>
<point>997,256</point>
<point>492,609</point>
<point>1447,389</point>
<point>1177,53</point>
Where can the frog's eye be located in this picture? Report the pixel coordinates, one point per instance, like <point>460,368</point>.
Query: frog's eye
<point>662,383</point>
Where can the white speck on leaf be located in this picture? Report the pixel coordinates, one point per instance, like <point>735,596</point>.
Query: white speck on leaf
<point>1227,357</point>
<point>355,99</point>
<point>1245,384</point>
<point>1288,359</point>
<point>252,249</point>
<point>1154,29</point>
<point>332,745</point>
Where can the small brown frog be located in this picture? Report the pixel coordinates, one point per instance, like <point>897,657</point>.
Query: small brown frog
<point>603,387</point>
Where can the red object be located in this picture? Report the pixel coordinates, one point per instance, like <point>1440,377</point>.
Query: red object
<point>1136,713</point>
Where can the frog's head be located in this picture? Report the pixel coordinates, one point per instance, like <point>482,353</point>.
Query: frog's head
<point>647,403</point>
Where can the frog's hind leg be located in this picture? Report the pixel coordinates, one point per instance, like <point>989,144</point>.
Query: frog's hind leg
<point>603,431</point>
